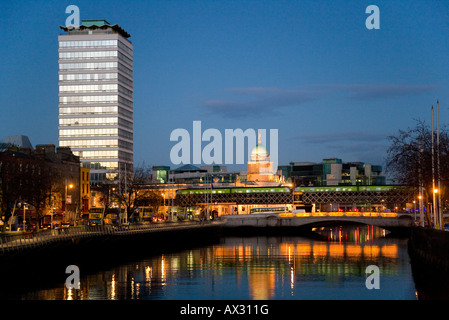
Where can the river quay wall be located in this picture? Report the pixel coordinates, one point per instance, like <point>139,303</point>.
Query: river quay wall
<point>34,261</point>
<point>104,241</point>
<point>429,256</point>
<point>430,247</point>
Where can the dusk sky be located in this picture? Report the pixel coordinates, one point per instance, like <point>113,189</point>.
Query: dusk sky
<point>310,69</point>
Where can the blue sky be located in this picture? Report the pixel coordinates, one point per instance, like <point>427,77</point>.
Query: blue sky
<point>310,69</point>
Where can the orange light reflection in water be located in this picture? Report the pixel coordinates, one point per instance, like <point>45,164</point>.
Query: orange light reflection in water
<point>260,265</point>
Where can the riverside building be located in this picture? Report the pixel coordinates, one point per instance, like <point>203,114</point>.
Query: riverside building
<point>333,172</point>
<point>96,97</point>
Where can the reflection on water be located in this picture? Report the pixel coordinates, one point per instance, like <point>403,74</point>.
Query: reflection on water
<point>259,268</point>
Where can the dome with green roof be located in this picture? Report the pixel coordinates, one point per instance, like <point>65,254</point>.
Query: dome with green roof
<point>259,153</point>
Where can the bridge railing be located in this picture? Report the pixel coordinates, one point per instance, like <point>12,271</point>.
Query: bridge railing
<point>18,240</point>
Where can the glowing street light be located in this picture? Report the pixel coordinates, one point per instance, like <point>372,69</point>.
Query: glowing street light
<point>70,186</point>
<point>421,210</point>
<point>414,211</point>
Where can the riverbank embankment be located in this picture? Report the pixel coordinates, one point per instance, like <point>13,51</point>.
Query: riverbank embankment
<point>429,254</point>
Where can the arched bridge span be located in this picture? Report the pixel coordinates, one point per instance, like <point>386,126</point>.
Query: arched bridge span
<point>272,220</point>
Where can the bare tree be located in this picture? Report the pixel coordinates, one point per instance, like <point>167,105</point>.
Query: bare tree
<point>11,187</point>
<point>151,198</point>
<point>130,187</point>
<point>409,158</point>
<point>40,183</point>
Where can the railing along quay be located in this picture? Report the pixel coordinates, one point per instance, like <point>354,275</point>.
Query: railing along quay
<point>27,240</point>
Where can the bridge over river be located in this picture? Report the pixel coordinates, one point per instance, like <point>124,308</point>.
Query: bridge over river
<point>394,222</point>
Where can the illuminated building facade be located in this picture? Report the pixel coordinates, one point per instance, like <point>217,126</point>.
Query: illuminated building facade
<point>192,175</point>
<point>47,177</point>
<point>96,97</point>
<point>333,172</point>
<point>260,167</point>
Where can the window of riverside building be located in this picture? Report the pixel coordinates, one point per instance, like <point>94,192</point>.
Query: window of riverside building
<point>123,68</point>
<point>88,55</point>
<point>88,77</point>
<point>125,101</point>
<point>125,80</point>
<point>125,145</point>
<point>112,165</point>
<point>125,134</point>
<point>88,121</point>
<point>87,65</point>
<point>89,143</point>
<point>125,155</point>
<point>127,61</point>
<point>125,123</point>
<point>125,91</point>
<point>89,99</point>
<point>88,44</point>
<point>126,113</point>
<point>100,154</point>
<point>89,132</point>
<point>90,110</point>
<point>125,48</point>
<point>111,176</point>
<point>94,177</point>
<point>89,88</point>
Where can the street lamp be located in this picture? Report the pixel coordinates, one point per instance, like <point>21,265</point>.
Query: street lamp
<point>24,220</point>
<point>163,215</point>
<point>51,221</point>
<point>414,210</point>
<point>434,204</point>
<point>65,199</point>
<point>421,210</point>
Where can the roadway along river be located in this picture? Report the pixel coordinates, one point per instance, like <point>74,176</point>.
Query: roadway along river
<point>262,267</point>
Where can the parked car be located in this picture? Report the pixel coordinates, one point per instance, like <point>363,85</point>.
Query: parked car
<point>446,226</point>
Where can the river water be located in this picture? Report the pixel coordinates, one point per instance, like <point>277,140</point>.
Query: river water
<point>260,267</point>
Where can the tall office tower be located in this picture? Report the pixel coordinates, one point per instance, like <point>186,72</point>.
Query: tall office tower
<point>96,97</point>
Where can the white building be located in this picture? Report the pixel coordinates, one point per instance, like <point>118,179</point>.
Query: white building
<point>96,96</point>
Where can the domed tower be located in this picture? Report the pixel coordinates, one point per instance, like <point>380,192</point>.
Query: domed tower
<point>260,168</point>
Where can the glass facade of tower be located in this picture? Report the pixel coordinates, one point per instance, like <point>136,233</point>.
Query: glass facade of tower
<point>96,97</point>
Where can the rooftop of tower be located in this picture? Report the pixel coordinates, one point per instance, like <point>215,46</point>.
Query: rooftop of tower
<point>94,24</point>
